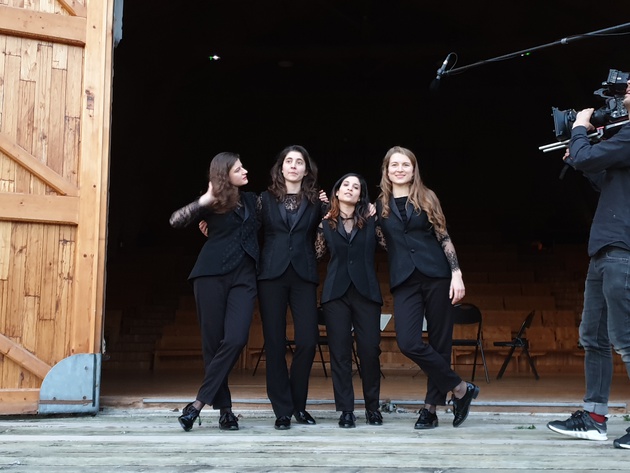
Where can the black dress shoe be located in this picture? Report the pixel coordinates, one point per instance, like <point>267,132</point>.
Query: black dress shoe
<point>188,417</point>
<point>427,420</point>
<point>283,423</point>
<point>303,417</point>
<point>462,406</point>
<point>347,420</point>
<point>228,421</point>
<point>373,417</point>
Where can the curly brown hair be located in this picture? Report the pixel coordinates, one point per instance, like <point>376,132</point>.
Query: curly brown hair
<point>309,187</point>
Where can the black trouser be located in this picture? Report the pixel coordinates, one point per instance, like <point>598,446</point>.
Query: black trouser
<point>354,310</point>
<point>225,305</point>
<point>421,296</point>
<point>288,391</point>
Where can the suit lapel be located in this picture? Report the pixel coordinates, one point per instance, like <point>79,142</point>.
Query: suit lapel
<point>300,212</point>
<point>342,231</point>
<point>283,212</point>
<point>394,208</point>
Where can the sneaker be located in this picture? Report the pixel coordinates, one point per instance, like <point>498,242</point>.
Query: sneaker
<point>623,442</point>
<point>427,420</point>
<point>582,426</point>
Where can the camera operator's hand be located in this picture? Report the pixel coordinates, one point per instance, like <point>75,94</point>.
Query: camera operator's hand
<point>583,118</point>
<point>566,154</point>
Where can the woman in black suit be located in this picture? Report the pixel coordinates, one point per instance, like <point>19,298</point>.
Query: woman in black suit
<point>290,212</point>
<point>224,281</point>
<point>351,297</point>
<point>425,280</point>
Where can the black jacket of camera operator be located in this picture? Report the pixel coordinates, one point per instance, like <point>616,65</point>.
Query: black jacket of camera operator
<point>607,165</point>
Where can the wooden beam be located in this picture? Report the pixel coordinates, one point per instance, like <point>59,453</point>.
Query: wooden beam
<point>11,403</point>
<point>39,208</point>
<point>27,395</point>
<point>45,26</point>
<point>23,357</point>
<point>34,165</point>
<point>74,8</point>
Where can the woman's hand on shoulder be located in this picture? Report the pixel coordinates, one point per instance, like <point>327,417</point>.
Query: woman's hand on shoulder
<point>323,197</point>
<point>203,227</point>
<point>371,210</point>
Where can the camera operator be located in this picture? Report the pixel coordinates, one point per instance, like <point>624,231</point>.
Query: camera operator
<point>606,313</point>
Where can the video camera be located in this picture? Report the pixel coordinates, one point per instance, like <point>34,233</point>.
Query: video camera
<point>612,111</point>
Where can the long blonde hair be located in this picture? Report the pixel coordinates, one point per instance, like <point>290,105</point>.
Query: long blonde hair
<point>420,196</point>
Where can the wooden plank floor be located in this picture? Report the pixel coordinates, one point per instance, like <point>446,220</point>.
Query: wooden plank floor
<point>150,440</point>
<point>137,431</point>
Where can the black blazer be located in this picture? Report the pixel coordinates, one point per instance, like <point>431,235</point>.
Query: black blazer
<point>231,238</point>
<point>351,261</point>
<point>283,244</point>
<point>411,246</point>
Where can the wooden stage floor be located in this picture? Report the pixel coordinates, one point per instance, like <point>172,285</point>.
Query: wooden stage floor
<point>551,393</point>
<point>137,431</point>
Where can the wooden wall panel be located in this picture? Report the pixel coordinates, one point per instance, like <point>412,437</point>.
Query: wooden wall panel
<point>17,262</point>
<point>5,255</point>
<point>56,119</point>
<point>24,138</point>
<point>42,102</point>
<point>4,298</point>
<point>11,82</point>
<point>55,81</point>
<point>34,254</point>
<point>49,308</point>
<point>7,174</point>
<point>3,46</point>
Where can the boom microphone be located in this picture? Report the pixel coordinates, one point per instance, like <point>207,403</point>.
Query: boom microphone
<point>442,69</point>
<point>440,72</point>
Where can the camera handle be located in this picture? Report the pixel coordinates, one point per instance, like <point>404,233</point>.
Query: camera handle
<point>594,137</point>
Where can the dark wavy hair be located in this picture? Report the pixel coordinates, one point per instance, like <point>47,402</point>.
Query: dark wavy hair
<point>361,210</point>
<point>309,187</point>
<point>226,194</point>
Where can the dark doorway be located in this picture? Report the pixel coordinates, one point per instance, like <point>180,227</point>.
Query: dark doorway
<point>347,80</point>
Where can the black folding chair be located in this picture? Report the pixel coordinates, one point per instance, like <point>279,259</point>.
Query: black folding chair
<point>469,314</point>
<point>519,341</point>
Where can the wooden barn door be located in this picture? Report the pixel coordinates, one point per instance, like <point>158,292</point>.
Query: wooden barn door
<point>55,97</point>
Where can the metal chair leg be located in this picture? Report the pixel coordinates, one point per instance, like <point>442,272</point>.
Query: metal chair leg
<point>262,350</point>
<point>506,362</point>
<point>531,362</point>
<point>321,357</point>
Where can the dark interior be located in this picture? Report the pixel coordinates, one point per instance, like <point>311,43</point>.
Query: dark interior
<point>347,80</point>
